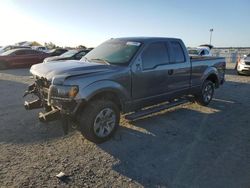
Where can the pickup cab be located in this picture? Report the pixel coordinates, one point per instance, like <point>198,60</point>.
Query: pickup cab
<point>121,75</point>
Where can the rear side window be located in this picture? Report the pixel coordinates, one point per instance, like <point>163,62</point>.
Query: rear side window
<point>178,52</point>
<point>20,52</point>
<point>155,54</point>
<point>31,52</point>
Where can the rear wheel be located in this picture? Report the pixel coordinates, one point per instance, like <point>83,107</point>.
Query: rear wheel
<point>206,94</point>
<point>99,120</point>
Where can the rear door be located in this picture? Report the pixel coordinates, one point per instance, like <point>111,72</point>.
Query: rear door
<point>33,57</point>
<point>179,69</point>
<point>17,59</point>
<point>38,57</point>
<point>27,57</point>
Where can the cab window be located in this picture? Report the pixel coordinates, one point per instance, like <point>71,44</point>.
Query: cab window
<point>178,53</point>
<point>154,55</point>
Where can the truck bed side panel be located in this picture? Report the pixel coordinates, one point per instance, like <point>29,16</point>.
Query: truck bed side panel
<point>204,66</point>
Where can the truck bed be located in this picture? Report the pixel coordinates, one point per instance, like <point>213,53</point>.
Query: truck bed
<point>203,58</point>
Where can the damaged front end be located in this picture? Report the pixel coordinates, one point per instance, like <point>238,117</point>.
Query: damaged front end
<point>57,101</point>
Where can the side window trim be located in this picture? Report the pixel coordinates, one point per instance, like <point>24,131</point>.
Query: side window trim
<point>171,53</point>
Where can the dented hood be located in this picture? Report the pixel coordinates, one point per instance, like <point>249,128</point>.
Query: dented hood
<point>68,68</point>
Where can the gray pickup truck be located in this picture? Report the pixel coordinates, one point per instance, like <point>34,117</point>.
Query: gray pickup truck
<point>121,75</point>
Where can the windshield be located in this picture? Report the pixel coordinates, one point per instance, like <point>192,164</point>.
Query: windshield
<point>195,52</point>
<point>114,51</point>
<point>69,53</point>
<point>6,48</point>
<point>9,52</point>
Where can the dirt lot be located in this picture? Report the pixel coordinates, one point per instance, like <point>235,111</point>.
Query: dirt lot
<point>189,146</point>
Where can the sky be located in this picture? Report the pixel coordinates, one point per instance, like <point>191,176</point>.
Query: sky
<point>90,22</point>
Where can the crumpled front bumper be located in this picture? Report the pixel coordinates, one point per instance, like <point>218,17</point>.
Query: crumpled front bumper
<point>54,108</point>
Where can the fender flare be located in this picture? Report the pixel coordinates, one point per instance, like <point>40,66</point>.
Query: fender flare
<point>211,71</point>
<point>98,87</point>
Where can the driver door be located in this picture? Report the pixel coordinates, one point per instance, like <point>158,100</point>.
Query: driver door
<point>150,74</point>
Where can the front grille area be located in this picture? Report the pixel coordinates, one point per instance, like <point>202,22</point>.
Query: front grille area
<point>43,87</point>
<point>247,62</point>
<point>42,82</point>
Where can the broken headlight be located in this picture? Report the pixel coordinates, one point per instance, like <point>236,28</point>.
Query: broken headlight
<point>68,92</point>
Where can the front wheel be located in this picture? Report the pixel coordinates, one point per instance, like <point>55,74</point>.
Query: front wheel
<point>206,94</point>
<point>99,120</point>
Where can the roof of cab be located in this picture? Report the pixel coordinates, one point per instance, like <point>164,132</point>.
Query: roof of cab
<point>145,39</point>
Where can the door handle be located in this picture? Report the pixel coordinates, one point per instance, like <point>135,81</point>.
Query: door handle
<point>170,72</point>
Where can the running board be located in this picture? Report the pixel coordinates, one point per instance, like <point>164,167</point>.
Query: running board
<point>152,110</point>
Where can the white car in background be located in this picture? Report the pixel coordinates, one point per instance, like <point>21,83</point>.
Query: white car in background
<point>243,66</point>
<point>203,50</point>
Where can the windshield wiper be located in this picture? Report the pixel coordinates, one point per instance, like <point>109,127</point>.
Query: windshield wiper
<point>103,60</point>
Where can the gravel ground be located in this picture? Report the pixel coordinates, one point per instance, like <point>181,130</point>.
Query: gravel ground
<point>188,146</point>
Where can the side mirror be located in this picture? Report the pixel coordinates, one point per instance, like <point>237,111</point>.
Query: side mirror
<point>244,56</point>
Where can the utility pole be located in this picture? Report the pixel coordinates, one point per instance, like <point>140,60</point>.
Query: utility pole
<point>211,31</point>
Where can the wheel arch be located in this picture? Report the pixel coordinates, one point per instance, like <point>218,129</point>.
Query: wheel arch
<point>214,78</point>
<point>105,90</point>
<point>212,74</point>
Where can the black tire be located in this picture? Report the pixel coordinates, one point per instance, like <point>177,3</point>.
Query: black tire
<point>3,65</point>
<point>90,119</point>
<point>206,94</point>
<point>239,73</point>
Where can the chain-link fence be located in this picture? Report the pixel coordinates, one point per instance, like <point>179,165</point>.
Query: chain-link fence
<point>231,54</point>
